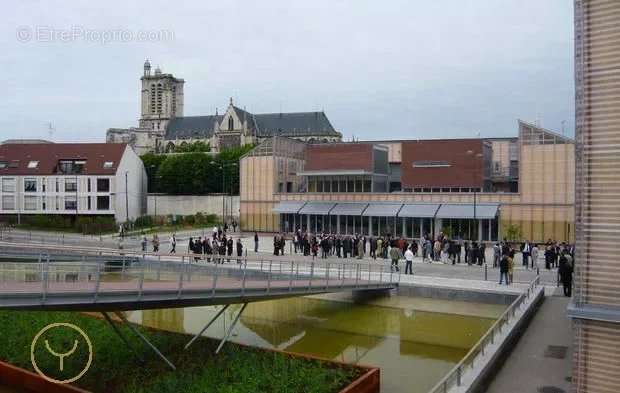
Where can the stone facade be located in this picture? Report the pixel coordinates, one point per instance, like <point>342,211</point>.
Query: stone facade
<point>163,127</point>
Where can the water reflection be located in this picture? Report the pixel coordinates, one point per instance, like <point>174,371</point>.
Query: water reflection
<point>414,348</point>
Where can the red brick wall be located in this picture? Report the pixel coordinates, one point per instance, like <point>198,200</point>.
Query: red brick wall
<point>338,157</point>
<point>464,170</point>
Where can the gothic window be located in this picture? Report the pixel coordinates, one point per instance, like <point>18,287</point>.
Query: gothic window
<point>153,94</point>
<point>159,93</point>
<point>231,123</point>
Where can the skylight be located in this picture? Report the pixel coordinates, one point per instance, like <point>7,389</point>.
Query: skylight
<point>33,164</point>
<point>3,164</point>
<point>108,164</point>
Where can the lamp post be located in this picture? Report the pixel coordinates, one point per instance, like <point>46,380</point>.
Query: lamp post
<point>223,167</point>
<point>475,157</point>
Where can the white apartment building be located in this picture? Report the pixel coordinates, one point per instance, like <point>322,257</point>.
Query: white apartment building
<point>72,179</point>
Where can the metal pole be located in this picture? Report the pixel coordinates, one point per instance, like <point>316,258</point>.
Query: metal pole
<point>137,332</point>
<point>230,329</point>
<point>126,198</point>
<point>118,332</point>
<point>204,329</point>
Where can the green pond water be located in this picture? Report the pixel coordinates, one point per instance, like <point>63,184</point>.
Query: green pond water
<point>415,341</point>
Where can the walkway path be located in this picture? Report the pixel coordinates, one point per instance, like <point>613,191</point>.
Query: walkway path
<point>529,367</point>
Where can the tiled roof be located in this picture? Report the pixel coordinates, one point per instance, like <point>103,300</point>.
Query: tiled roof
<point>17,157</point>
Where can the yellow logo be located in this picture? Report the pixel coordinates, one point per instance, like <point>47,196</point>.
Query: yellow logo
<point>61,356</point>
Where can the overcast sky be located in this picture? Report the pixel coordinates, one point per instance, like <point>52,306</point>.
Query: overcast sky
<point>379,69</point>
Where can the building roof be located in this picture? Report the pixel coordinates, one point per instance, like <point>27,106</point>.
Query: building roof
<point>264,125</point>
<point>294,124</point>
<point>192,127</point>
<point>18,156</point>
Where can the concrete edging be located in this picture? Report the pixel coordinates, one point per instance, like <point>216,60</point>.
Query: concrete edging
<point>478,377</point>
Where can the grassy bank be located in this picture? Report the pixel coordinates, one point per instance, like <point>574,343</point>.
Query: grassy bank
<point>116,369</point>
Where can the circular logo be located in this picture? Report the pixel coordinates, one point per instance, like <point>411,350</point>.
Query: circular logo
<point>23,33</point>
<point>61,356</point>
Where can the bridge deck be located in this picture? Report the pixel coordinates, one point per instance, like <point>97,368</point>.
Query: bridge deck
<point>140,281</point>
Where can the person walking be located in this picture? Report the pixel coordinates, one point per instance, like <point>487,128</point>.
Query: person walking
<point>409,261</point>
<point>173,244</point>
<point>229,246</point>
<point>155,242</point>
<point>511,265</point>
<point>394,256</point>
<point>526,250</point>
<point>145,243</point>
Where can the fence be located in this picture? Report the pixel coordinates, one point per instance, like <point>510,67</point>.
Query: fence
<point>454,377</point>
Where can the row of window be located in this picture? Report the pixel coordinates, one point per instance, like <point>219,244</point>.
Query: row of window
<point>340,184</point>
<point>101,202</point>
<point>31,185</point>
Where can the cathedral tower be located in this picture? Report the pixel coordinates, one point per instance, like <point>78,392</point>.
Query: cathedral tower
<point>162,99</point>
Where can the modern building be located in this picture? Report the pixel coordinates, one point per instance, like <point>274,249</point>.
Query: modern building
<point>163,126</point>
<point>475,188</point>
<point>595,306</point>
<point>71,179</point>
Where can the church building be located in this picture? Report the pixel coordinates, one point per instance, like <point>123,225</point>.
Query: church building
<point>163,127</point>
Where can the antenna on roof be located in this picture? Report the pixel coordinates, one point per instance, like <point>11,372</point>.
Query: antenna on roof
<point>50,128</point>
<point>563,122</point>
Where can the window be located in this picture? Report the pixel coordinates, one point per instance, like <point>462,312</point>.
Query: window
<point>57,185</point>
<point>71,167</point>
<point>30,185</point>
<point>71,185</point>
<point>8,202</point>
<point>103,202</point>
<point>33,164</point>
<point>8,185</point>
<point>103,185</point>
<point>88,185</point>
<point>70,203</point>
<point>3,164</point>
<point>231,124</point>
<point>108,164</point>
<point>431,164</point>
<point>30,203</point>
<point>289,186</point>
<point>43,204</point>
<point>89,203</point>
<point>43,181</point>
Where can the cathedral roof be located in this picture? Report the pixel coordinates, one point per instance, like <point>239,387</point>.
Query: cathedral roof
<point>191,127</point>
<point>295,124</point>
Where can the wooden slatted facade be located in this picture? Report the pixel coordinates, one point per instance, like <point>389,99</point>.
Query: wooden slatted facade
<point>596,306</point>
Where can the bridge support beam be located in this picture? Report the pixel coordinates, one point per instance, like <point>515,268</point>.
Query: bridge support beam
<point>118,333</point>
<point>230,329</point>
<point>137,333</point>
<point>207,326</point>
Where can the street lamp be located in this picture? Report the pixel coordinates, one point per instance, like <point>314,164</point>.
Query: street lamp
<point>222,166</point>
<point>475,157</point>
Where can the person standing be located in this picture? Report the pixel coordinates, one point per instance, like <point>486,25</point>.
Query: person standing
<point>534,256</point>
<point>394,256</point>
<point>409,261</point>
<point>503,270</point>
<point>145,243</point>
<point>234,225</point>
<point>206,249</point>
<point>526,250</point>
<point>229,246</point>
<point>239,250</point>
<point>511,265</point>
<point>255,242</point>
<point>173,244</point>
<point>360,249</point>
<point>565,269</point>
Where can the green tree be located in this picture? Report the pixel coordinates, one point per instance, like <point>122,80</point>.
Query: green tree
<point>224,160</point>
<point>152,162</point>
<point>188,174</point>
<point>513,232</point>
<point>194,147</point>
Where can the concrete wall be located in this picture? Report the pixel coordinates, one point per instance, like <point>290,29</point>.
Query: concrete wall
<point>163,204</point>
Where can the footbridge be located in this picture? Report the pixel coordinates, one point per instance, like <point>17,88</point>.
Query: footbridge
<point>35,276</point>
<point>56,277</point>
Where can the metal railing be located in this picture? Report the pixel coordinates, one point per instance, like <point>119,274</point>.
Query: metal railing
<point>455,376</point>
<point>95,272</point>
